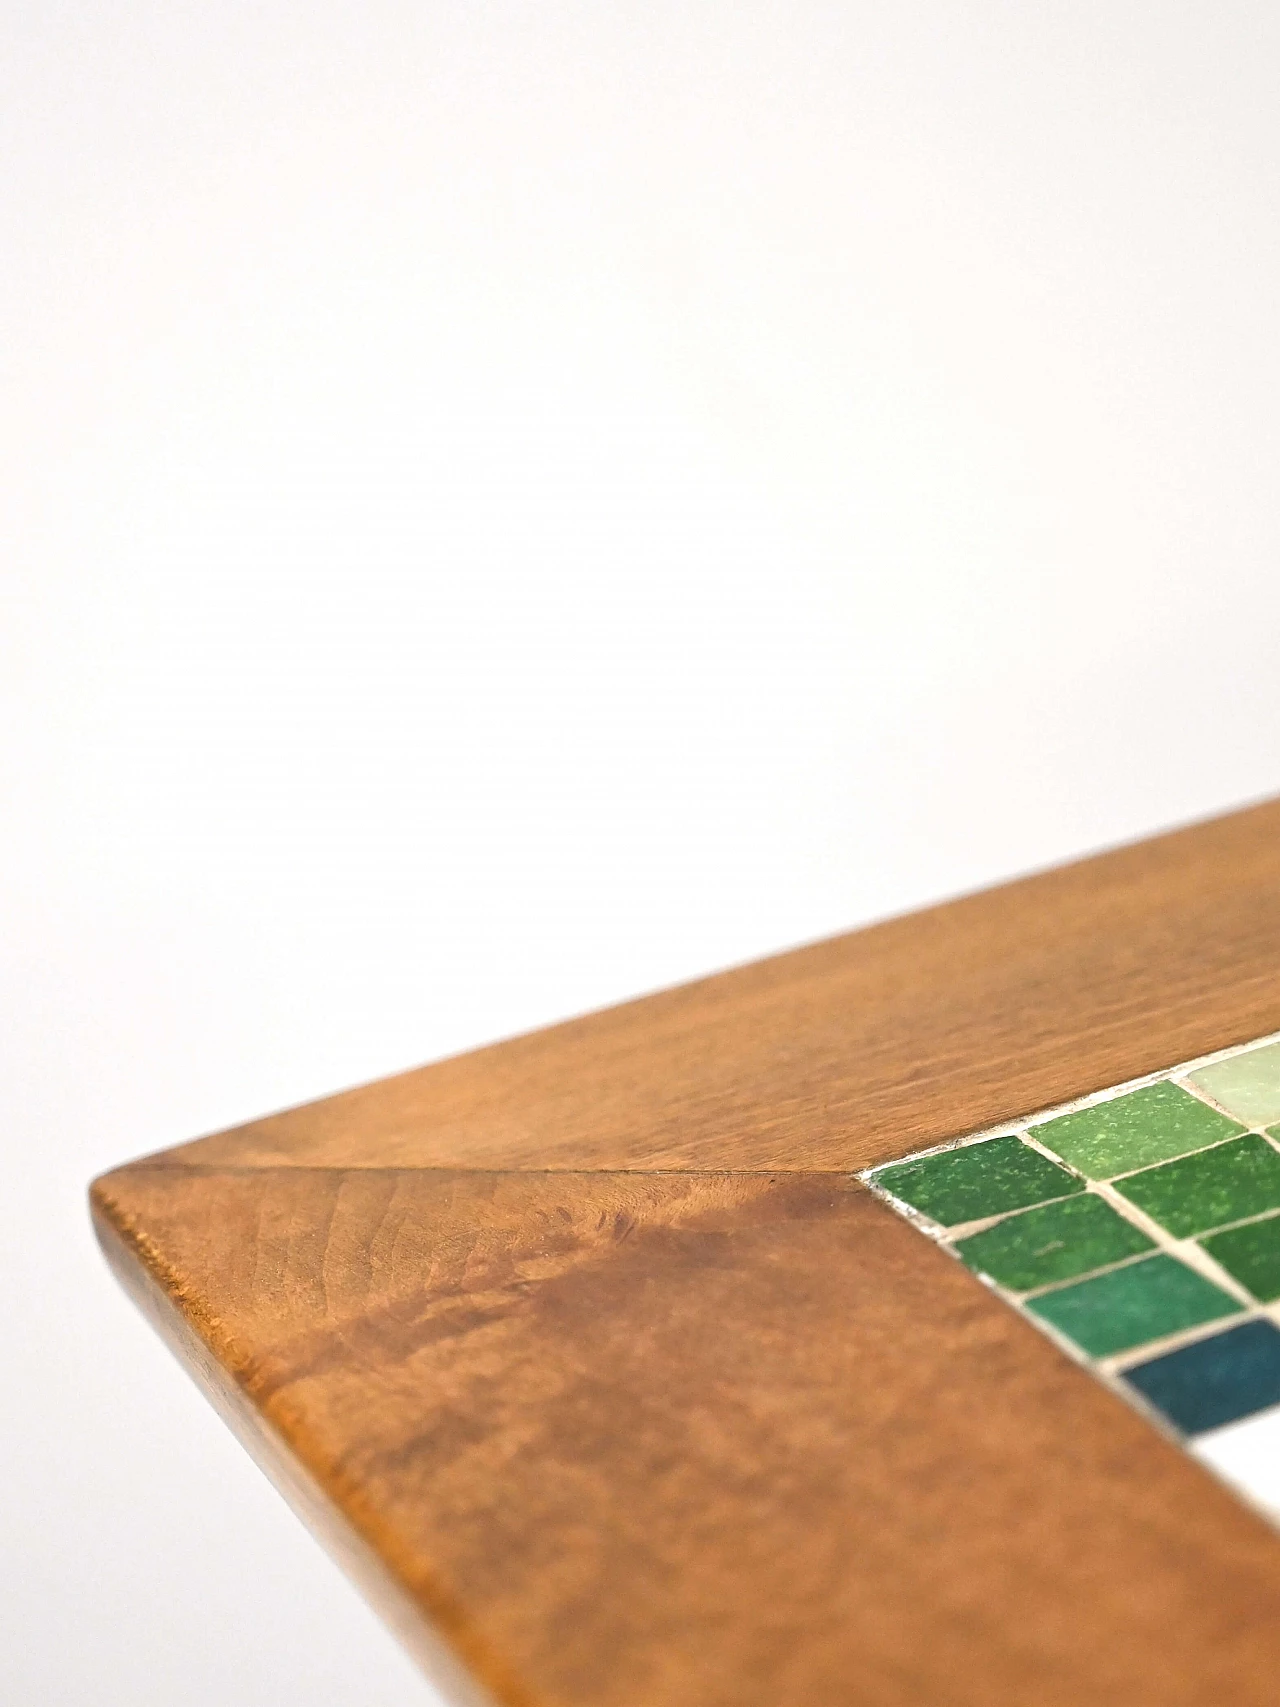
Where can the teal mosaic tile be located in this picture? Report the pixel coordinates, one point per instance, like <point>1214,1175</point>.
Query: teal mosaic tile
<point>1143,1301</point>
<point>1128,1132</point>
<point>1052,1243</point>
<point>1163,1276</point>
<point>1246,1085</point>
<point>1209,1189</point>
<point>977,1181</point>
<point>1251,1255</point>
<point>1215,1381</point>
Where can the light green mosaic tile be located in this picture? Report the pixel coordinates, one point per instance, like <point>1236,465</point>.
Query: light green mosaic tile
<point>1128,1132</point>
<point>1247,1085</point>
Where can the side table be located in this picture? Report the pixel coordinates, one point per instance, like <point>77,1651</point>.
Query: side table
<point>629,1364</point>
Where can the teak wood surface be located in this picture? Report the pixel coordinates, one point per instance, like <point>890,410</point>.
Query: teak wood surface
<point>612,1386</point>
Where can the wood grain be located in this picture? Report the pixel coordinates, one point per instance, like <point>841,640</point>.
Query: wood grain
<point>696,1440</point>
<point>860,1049</point>
<point>181,1328</point>
<point>609,1383</point>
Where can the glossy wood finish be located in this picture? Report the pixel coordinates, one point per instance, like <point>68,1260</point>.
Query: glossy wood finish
<point>859,1049</point>
<point>592,1358</point>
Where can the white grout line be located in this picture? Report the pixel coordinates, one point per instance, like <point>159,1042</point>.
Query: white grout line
<point>1049,1286</point>
<point>1200,1150</point>
<point>1121,1361</point>
<point>1185,1250</point>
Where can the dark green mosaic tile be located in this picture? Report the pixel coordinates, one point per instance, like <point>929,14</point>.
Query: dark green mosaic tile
<point>1251,1255</point>
<point>977,1181</point>
<point>1207,1190</point>
<point>1128,1306</point>
<point>1055,1242</point>
<point>1134,1131</point>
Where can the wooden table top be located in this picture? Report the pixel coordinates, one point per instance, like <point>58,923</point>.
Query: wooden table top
<point>611,1384</point>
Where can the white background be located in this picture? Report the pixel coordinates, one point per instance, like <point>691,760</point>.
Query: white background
<point>509,506</point>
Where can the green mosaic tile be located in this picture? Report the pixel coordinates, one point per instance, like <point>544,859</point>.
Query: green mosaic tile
<point>979,1180</point>
<point>1227,1183</point>
<point>1131,1305</point>
<point>1079,1268</point>
<point>1133,1131</point>
<point>1055,1242</point>
<point>1247,1085</point>
<point>1251,1255</point>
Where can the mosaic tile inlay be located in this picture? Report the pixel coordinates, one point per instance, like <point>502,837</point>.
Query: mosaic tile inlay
<point>1140,1228</point>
